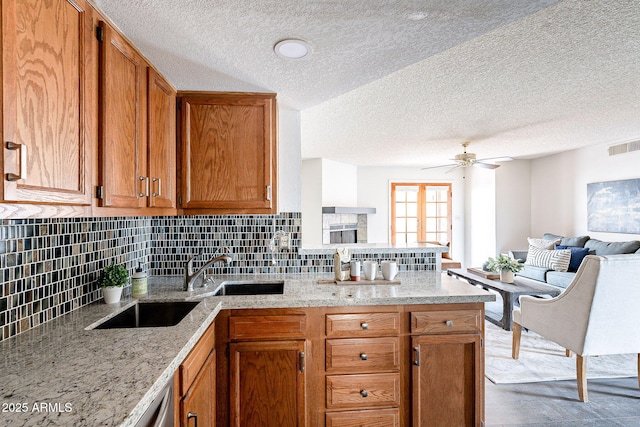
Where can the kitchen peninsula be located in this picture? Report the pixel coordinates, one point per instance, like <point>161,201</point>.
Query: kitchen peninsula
<point>109,377</point>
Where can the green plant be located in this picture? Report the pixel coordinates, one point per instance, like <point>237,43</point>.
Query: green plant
<point>504,263</point>
<point>113,275</point>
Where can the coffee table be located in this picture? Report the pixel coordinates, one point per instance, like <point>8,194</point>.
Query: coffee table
<point>508,291</point>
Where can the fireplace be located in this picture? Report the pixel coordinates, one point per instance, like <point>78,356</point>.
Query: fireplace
<point>343,233</point>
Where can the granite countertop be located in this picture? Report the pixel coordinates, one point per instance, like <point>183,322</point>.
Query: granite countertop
<point>61,373</point>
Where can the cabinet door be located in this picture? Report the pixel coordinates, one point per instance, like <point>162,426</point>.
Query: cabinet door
<point>267,384</point>
<point>197,407</point>
<point>161,138</point>
<point>46,152</point>
<point>122,109</point>
<point>228,153</point>
<point>447,380</point>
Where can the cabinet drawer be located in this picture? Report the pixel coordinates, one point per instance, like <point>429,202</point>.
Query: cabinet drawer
<point>446,322</point>
<point>267,327</point>
<point>363,354</point>
<point>362,324</point>
<point>374,418</point>
<point>362,391</point>
<point>195,359</point>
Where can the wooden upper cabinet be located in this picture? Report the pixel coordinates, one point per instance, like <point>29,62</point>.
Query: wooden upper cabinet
<point>161,118</point>
<point>228,153</point>
<point>122,122</point>
<point>46,151</point>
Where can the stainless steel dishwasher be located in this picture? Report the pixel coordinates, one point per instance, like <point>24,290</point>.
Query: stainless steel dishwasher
<point>160,412</point>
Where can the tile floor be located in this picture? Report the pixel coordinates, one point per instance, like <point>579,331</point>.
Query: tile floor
<point>612,402</point>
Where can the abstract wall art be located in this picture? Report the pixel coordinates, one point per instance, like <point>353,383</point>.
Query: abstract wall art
<point>614,206</point>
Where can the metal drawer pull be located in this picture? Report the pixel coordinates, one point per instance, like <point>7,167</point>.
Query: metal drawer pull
<point>364,356</point>
<point>416,351</point>
<point>195,418</point>
<point>449,323</point>
<point>23,161</point>
<point>158,185</point>
<point>364,393</point>
<point>144,179</point>
<point>364,326</point>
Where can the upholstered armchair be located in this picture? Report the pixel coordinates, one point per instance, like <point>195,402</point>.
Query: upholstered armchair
<point>598,313</point>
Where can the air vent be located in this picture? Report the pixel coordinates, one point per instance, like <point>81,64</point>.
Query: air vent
<point>627,147</point>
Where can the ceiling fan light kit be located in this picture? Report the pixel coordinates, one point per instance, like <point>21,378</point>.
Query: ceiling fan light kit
<point>465,159</point>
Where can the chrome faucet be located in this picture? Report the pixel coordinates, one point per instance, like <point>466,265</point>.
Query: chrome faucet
<point>190,276</point>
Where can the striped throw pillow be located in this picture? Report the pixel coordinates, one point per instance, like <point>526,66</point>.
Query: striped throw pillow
<point>557,260</point>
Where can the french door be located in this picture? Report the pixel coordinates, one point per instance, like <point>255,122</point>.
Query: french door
<point>420,212</point>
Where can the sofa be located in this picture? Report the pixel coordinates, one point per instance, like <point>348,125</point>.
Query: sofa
<point>580,246</point>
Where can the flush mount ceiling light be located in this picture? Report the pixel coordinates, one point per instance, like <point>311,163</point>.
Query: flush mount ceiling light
<point>417,16</point>
<point>292,49</point>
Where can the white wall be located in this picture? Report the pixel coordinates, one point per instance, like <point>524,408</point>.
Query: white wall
<point>374,190</point>
<point>289,161</point>
<point>513,205</point>
<point>559,189</point>
<point>480,216</point>
<point>339,184</point>
<point>312,202</point>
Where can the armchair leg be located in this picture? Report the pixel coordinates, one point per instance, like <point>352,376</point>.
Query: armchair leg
<point>581,367</point>
<point>515,343</point>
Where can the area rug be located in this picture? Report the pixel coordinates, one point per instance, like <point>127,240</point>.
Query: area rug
<point>541,360</point>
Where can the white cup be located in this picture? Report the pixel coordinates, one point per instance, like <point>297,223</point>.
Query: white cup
<point>389,269</point>
<point>370,270</point>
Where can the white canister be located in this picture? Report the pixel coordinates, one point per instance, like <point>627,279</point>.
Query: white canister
<point>355,271</point>
<point>389,269</point>
<point>370,270</point>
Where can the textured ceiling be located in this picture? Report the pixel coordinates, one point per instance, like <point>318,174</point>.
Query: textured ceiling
<point>516,77</point>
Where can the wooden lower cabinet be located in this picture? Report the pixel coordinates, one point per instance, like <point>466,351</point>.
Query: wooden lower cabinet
<point>447,381</point>
<point>197,406</point>
<point>267,386</point>
<point>382,366</point>
<point>195,385</point>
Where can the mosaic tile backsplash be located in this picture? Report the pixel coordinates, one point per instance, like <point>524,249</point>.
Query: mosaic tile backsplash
<point>50,267</point>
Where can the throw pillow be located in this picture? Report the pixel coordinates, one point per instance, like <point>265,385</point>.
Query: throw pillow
<point>542,243</point>
<point>557,260</point>
<point>577,255</point>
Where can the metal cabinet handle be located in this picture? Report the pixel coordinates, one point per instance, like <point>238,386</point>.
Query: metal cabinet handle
<point>269,195</point>
<point>23,161</point>
<point>301,361</point>
<point>195,418</point>
<point>449,323</point>
<point>364,326</point>
<point>363,356</point>
<point>158,186</point>
<point>364,393</point>
<point>144,179</point>
<point>416,360</point>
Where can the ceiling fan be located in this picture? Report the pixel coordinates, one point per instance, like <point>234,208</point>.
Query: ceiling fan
<point>469,159</point>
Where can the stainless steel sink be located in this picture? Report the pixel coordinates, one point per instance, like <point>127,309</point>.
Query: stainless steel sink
<point>150,315</point>
<point>251,288</point>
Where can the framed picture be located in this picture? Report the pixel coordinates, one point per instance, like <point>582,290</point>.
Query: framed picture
<point>614,206</point>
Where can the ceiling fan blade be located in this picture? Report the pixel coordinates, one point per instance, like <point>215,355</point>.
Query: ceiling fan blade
<point>441,166</point>
<point>453,168</point>
<point>496,159</point>
<point>485,165</point>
